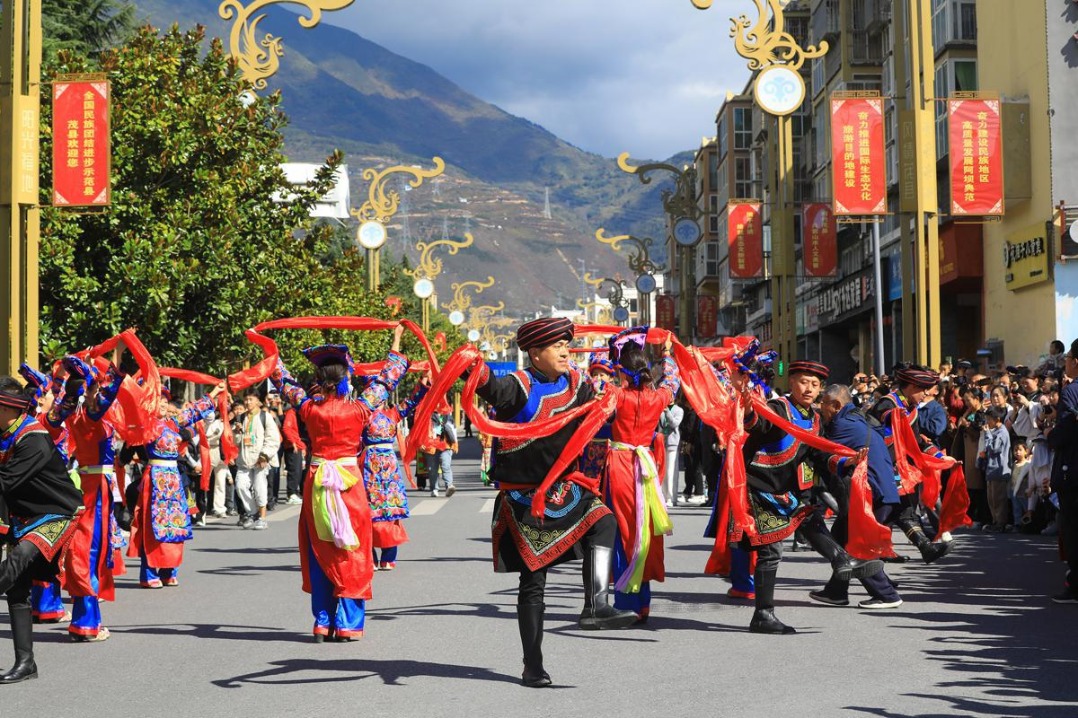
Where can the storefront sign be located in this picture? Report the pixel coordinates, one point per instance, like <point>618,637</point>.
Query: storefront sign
<point>665,317</point>
<point>819,241</point>
<point>858,159</point>
<point>746,238</point>
<point>707,316</point>
<point>976,157</point>
<point>851,295</point>
<point>80,155</point>
<point>1026,257</point>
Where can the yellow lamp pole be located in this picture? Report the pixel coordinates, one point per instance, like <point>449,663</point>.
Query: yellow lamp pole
<point>461,300</point>
<point>259,59</point>
<point>428,268</point>
<point>779,90</point>
<point>641,263</point>
<point>20,225</point>
<point>382,203</point>
<point>683,212</point>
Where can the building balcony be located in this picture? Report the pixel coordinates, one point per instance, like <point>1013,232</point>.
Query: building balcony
<point>826,22</point>
<point>756,311</point>
<point>878,16</point>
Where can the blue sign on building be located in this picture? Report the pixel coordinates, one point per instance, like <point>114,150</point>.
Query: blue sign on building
<point>894,276</point>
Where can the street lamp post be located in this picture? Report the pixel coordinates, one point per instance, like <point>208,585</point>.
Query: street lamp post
<point>382,203</point>
<point>642,264</point>
<point>429,267</point>
<point>682,207</point>
<point>462,301</point>
<point>779,90</point>
<point>616,295</point>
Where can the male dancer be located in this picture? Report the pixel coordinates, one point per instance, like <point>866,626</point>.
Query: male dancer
<point>575,522</point>
<point>42,501</point>
<point>846,425</point>
<point>778,486</point>
<point>911,382</point>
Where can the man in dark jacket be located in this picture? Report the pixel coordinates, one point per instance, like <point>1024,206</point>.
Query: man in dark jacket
<point>845,424</point>
<point>41,500</point>
<point>1063,439</point>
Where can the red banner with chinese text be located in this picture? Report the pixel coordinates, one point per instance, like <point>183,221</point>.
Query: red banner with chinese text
<point>81,144</point>
<point>665,316</point>
<point>707,316</point>
<point>745,233</point>
<point>976,135</point>
<point>858,161</point>
<point>819,240</point>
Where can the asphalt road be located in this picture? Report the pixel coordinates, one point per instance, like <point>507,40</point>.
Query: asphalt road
<point>976,636</point>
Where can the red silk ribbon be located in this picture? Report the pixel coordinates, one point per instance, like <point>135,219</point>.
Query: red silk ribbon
<point>229,450</point>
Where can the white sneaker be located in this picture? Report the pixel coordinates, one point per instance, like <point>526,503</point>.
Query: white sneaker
<point>294,500</point>
<point>434,493</point>
<point>260,525</point>
<point>669,504</point>
<point>450,490</point>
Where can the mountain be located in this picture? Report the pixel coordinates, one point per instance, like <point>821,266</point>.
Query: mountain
<point>344,92</point>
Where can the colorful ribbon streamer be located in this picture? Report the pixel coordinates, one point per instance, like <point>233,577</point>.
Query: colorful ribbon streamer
<point>331,518</point>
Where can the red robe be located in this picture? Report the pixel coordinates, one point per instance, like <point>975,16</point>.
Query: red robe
<point>635,418</point>
<point>335,425</point>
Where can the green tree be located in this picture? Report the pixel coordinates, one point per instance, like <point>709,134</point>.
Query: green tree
<point>86,27</point>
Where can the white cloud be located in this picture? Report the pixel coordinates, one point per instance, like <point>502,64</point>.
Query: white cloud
<point>643,76</point>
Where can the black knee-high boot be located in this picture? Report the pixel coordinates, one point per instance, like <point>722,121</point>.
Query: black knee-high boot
<point>22,632</point>
<point>930,550</point>
<point>763,619</point>
<point>598,614</point>
<point>530,623</point>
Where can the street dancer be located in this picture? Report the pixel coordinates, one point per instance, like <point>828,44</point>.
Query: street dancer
<point>574,522</point>
<point>88,564</point>
<point>162,522</point>
<point>335,530</point>
<point>42,502</point>
<point>911,384</point>
<point>632,488</point>
<point>778,487</point>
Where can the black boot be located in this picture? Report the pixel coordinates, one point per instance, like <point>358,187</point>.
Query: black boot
<point>930,550</point>
<point>22,633</point>
<point>530,623</point>
<point>763,619</point>
<point>845,567</point>
<point>598,614</point>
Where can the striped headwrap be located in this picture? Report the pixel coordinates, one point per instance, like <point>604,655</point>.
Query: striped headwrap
<point>543,332</point>
<point>16,400</point>
<point>917,376</point>
<point>803,366</point>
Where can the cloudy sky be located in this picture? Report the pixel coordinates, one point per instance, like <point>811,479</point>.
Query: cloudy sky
<point>639,76</point>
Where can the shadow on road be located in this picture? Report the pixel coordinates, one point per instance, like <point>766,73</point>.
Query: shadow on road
<point>335,670</point>
<point>1020,652</point>
<point>216,631</point>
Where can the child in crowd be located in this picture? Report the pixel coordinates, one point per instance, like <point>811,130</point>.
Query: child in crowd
<point>996,458</point>
<point>1021,478</point>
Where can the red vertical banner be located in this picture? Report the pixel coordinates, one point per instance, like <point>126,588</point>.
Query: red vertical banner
<point>745,232</point>
<point>707,316</point>
<point>858,160</point>
<point>976,136</point>
<point>819,240</point>
<point>80,143</point>
<point>664,312</point>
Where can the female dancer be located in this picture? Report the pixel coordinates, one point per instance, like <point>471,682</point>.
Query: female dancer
<point>382,474</point>
<point>335,532</point>
<point>162,522</point>
<point>633,491</point>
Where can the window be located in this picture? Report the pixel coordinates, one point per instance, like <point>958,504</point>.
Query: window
<point>939,23</point>
<point>721,176</point>
<point>713,213</point>
<point>965,20</point>
<point>722,134</point>
<point>822,141</point>
<point>743,178</point>
<point>965,75</point>
<point>818,79</point>
<point>742,128</point>
<point>712,170</point>
<point>953,21</point>
<point>943,89</point>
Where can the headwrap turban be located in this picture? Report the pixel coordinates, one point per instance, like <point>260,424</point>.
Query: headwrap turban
<point>16,400</point>
<point>540,333</point>
<point>810,367</point>
<point>917,376</point>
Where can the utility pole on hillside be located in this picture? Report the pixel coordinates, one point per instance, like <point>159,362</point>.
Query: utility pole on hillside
<point>546,206</point>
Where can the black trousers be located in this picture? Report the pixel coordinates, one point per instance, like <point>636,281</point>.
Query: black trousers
<point>602,534</point>
<point>293,464</point>
<point>17,573</point>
